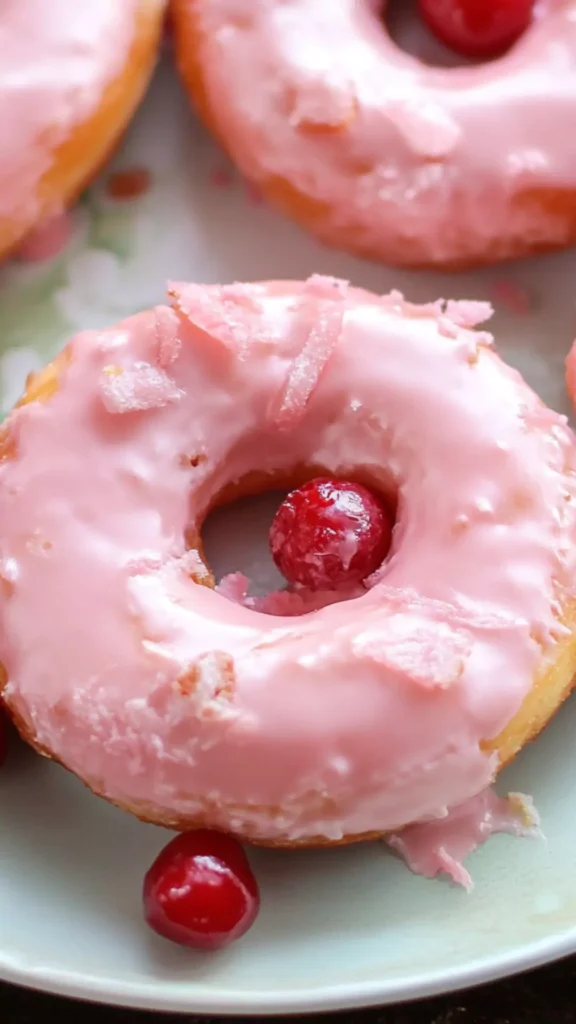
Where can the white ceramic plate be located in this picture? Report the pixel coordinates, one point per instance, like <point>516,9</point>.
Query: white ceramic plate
<point>337,929</point>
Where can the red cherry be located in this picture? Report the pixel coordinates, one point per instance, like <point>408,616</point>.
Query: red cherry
<point>478,28</point>
<point>329,534</point>
<point>200,891</point>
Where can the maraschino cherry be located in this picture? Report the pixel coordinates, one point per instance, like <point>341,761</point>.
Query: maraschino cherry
<point>478,28</point>
<point>200,891</point>
<point>330,534</point>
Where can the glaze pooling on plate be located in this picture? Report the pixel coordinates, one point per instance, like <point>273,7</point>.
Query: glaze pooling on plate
<point>440,846</point>
<point>377,151</point>
<point>56,57</point>
<point>184,706</point>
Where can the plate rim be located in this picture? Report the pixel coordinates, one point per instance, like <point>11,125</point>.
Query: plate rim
<point>327,998</point>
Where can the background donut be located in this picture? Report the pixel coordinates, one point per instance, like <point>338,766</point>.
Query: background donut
<point>378,154</point>
<point>71,76</point>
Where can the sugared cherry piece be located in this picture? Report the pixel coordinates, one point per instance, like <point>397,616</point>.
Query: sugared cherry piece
<point>329,534</point>
<point>478,28</point>
<point>200,891</point>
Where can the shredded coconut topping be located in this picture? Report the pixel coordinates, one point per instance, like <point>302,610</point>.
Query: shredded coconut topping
<point>166,328</point>
<point>228,313</point>
<point>137,389</point>
<point>431,654</point>
<point>306,370</point>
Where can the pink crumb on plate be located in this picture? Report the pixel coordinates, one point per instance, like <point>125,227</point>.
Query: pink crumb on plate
<point>221,177</point>
<point>124,186</point>
<point>48,240</point>
<point>511,295</point>
<point>253,193</point>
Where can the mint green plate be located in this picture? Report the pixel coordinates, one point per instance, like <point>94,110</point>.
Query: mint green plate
<point>337,929</point>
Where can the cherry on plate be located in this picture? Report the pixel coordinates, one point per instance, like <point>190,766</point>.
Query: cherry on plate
<point>478,28</point>
<point>330,534</point>
<point>200,891</point>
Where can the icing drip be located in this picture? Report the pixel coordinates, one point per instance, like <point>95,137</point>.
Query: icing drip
<point>439,847</point>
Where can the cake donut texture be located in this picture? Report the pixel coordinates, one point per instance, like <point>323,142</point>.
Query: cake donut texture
<point>71,75</point>
<point>378,153</point>
<point>123,662</point>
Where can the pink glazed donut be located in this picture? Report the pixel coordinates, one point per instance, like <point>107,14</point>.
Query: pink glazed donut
<point>71,76</point>
<point>378,153</point>
<point>170,700</point>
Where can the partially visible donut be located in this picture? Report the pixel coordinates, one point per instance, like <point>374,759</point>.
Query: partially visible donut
<point>188,709</point>
<point>377,153</point>
<point>71,75</point>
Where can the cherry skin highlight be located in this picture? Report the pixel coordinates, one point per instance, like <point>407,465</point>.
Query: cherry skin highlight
<point>478,28</point>
<point>330,534</point>
<point>200,891</point>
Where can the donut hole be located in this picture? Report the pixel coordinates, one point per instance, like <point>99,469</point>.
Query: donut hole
<point>235,539</point>
<point>234,536</point>
<point>408,30</point>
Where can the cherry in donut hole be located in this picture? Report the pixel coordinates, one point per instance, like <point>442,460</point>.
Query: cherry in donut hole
<point>478,28</point>
<point>200,891</point>
<point>329,534</point>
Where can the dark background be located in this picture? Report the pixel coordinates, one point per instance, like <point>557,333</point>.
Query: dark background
<point>547,996</point>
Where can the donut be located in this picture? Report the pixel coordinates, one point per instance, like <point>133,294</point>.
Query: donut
<point>123,661</point>
<point>374,151</point>
<point>71,76</point>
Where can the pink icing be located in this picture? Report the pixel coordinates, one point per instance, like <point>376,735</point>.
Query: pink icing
<point>363,715</point>
<point>439,847</point>
<point>56,57</point>
<point>407,162</point>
